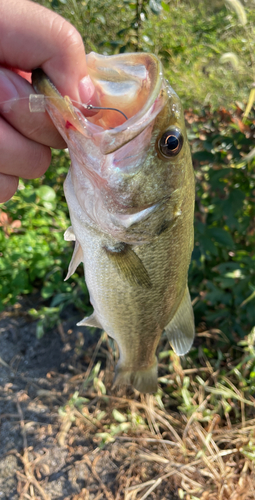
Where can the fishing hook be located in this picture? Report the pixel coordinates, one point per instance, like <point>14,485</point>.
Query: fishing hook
<point>90,106</point>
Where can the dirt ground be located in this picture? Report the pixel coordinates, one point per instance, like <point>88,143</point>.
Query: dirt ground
<point>46,453</point>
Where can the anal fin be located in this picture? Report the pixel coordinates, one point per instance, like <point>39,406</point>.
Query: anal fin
<point>181,329</point>
<point>90,321</point>
<point>129,265</point>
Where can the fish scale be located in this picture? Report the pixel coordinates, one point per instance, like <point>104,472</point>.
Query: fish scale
<point>132,219</point>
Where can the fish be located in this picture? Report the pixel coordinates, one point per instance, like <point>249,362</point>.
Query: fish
<point>130,191</point>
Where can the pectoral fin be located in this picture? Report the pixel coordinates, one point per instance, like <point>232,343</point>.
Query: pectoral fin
<point>90,321</point>
<point>76,260</point>
<point>129,265</point>
<point>181,329</point>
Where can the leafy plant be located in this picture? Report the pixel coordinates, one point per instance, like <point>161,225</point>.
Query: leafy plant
<point>34,254</point>
<point>223,263</point>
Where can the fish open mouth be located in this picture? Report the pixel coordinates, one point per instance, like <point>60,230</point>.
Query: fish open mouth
<point>132,83</point>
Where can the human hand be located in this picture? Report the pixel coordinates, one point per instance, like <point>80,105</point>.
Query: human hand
<point>33,36</point>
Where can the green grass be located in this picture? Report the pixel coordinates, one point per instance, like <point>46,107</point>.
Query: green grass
<point>191,39</point>
<point>189,36</point>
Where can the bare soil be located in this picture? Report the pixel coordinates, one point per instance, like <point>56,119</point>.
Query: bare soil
<point>45,452</point>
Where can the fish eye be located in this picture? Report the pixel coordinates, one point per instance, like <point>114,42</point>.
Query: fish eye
<point>171,142</point>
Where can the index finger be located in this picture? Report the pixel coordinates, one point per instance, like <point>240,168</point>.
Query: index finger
<point>33,36</point>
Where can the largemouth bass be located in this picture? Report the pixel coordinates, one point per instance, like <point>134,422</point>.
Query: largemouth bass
<point>130,192</point>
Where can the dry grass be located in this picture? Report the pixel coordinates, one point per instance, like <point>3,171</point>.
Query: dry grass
<point>202,449</point>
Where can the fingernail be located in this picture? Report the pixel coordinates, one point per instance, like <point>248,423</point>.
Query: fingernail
<point>8,93</point>
<point>87,91</point>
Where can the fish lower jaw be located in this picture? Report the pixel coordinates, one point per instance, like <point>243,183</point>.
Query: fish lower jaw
<point>143,380</point>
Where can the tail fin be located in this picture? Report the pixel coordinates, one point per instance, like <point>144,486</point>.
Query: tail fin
<point>145,380</point>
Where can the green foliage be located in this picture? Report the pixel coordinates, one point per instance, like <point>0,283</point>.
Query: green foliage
<point>223,263</point>
<point>47,317</point>
<point>193,38</point>
<point>34,255</point>
<point>106,25</point>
